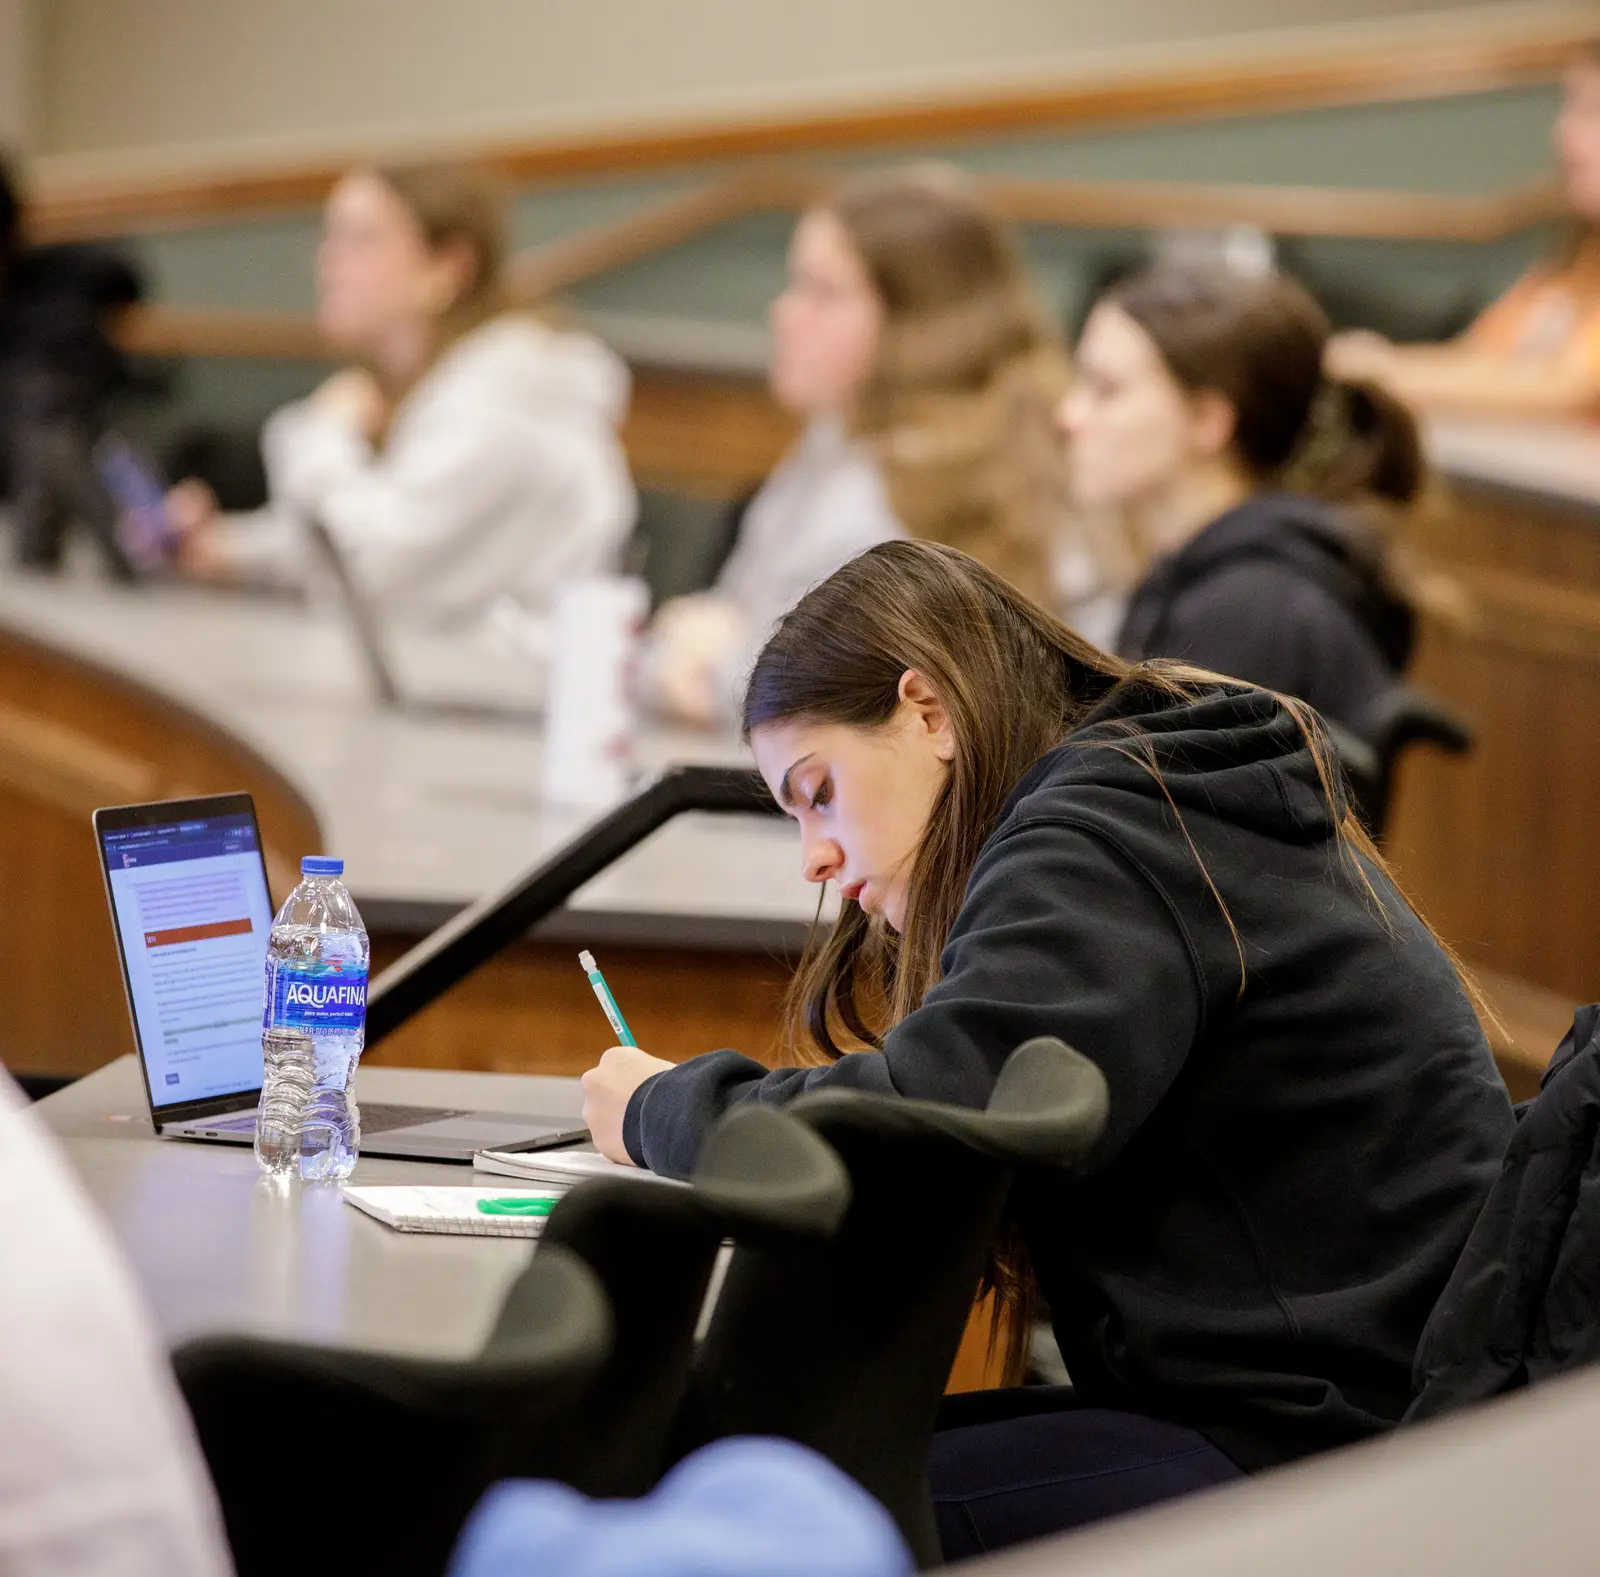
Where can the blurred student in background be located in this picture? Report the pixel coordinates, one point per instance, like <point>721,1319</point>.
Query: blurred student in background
<point>1202,413</point>
<point>1536,351</point>
<point>908,340</point>
<point>58,373</point>
<point>472,452</point>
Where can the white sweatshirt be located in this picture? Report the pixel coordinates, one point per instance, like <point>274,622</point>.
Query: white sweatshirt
<point>824,503</point>
<point>100,1472</point>
<point>502,473</point>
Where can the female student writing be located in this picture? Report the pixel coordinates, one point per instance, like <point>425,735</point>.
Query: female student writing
<point>470,455</point>
<point>1536,351</point>
<point>1201,415</point>
<point>908,340</point>
<point>1033,837</point>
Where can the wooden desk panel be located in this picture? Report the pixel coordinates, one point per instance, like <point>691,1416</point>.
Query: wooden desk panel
<point>1502,848</point>
<point>531,1008</point>
<point>705,434</point>
<point>73,737</point>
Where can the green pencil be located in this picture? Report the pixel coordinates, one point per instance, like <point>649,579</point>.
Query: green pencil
<point>608,1002</point>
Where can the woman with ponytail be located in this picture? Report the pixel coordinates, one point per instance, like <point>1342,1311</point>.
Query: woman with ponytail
<point>1032,837</point>
<point>1257,484</point>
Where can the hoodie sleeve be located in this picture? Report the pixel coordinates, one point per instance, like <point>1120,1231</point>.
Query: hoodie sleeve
<point>399,515</point>
<point>1061,934</point>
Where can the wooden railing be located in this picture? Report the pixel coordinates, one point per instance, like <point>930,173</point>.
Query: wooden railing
<point>1427,61</point>
<point>548,270</point>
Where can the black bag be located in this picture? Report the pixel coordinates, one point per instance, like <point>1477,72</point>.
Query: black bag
<point>1523,1302</point>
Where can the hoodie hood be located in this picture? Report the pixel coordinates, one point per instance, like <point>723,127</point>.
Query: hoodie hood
<point>521,364</point>
<point>1323,544</point>
<point>1225,751</point>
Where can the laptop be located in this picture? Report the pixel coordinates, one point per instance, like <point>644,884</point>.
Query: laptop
<point>377,656</point>
<point>191,911</point>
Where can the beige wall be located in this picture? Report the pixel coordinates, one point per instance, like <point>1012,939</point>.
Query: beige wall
<point>19,61</point>
<point>166,80</point>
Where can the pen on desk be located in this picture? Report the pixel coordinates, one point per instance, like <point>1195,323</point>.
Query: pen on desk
<point>608,1002</point>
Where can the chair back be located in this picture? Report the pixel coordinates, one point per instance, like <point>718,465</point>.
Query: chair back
<point>846,1344</point>
<point>762,1177</point>
<point>1404,716</point>
<point>371,1462</point>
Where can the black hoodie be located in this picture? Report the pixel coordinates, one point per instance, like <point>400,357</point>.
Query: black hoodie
<point>1289,1171</point>
<point>1283,591</point>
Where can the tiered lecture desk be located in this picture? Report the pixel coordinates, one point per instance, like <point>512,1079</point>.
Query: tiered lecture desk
<point>1502,848</point>
<point>109,696</point>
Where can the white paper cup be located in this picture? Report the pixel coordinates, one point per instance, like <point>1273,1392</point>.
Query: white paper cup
<point>590,715</point>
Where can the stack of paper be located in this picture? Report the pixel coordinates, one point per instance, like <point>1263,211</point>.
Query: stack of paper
<point>453,1210</point>
<point>559,1168</point>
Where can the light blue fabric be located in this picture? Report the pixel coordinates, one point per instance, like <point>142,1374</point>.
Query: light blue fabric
<point>736,1508</point>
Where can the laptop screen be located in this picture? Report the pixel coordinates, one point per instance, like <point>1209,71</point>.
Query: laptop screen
<point>192,911</point>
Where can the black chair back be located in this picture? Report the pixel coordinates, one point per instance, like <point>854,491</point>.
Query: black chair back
<point>370,1463</point>
<point>846,1345</point>
<point>1403,717</point>
<point>763,1177</point>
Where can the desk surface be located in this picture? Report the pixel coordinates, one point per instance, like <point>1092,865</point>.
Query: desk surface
<point>1558,462</point>
<point>1499,1489</point>
<point>428,812</point>
<point>217,1246</point>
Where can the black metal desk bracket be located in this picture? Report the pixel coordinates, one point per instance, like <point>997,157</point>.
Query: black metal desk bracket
<point>474,936</point>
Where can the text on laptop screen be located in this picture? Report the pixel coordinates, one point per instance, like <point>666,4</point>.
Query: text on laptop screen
<point>194,914</point>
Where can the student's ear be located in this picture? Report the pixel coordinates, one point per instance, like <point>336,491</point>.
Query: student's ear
<point>450,275</point>
<point>1212,422</point>
<point>923,699</point>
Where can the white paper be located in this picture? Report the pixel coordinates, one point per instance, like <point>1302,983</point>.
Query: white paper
<point>452,1210</point>
<point>561,1168</point>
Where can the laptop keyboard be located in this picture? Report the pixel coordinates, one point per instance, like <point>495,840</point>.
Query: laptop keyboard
<point>381,1119</point>
<point>375,1118</point>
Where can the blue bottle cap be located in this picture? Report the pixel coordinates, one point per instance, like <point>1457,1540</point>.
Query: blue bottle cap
<point>321,865</point>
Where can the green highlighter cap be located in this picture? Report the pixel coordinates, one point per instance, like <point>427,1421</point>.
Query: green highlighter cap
<point>524,1205</point>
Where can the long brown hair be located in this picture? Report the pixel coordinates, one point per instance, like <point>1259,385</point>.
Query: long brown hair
<point>1014,682</point>
<point>1258,341</point>
<point>457,206</point>
<point>959,408</point>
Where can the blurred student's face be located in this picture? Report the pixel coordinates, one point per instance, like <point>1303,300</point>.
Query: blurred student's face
<point>862,796</point>
<point>1132,430</point>
<point>375,273</point>
<point>1577,138</point>
<point>826,324</point>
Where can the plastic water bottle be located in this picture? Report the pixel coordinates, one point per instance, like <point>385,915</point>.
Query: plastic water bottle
<point>288,1063</point>
<point>317,986</point>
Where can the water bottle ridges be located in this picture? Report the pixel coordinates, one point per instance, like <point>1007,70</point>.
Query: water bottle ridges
<point>312,1033</point>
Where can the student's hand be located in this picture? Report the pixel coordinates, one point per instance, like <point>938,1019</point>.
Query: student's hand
<point>607,1090</point>
<point>192,509</point>
<point>1359,356</point>
<point>354,398</point>
<point>691,640</point>
<point>191,506</point>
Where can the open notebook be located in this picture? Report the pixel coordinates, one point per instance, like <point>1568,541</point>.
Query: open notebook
<point>453,1210</point>
<point>561,1169</point>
